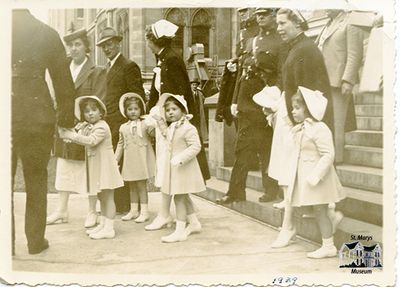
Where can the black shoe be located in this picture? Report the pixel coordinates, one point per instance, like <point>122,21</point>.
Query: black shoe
<point>37,250</point>
<point>267,197</point>
<point>226,199</point>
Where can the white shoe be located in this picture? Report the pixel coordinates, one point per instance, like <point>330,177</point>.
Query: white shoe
<point>336,219</point>
<point>284,238</point>
<point>193,228</point>
<point>91,219</point>
<point>107,232</point>
<point>323,252</point>
<point>130,215</point>
<point>174,237</point>
<point>279,205</point>
<point>143,217</point>
<point>98,227</point>
<point>159,222</point>
<point>57,217</point>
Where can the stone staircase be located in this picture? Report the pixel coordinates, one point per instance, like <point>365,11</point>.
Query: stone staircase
<point>361,175</point>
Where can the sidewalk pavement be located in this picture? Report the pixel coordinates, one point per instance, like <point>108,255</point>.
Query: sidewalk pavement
<point>229,243</point>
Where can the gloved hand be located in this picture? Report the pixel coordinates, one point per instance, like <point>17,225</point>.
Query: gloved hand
<point>155,113</point>
<point>234,110</point>
<point>312,180</point>
<point>149,121</point>
<point>175,162</point>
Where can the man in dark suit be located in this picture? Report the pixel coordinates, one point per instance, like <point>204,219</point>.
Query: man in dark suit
<point>259,68</point>
<point>35,48</point>
<point>123,75</point>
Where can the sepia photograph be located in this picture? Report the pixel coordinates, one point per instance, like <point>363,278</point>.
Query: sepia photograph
<point>198,143</point>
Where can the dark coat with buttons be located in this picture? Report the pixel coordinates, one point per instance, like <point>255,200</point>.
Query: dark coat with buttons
<point>305,66</point>
<point>123,77</point>
<point>35,48</point>
<point>174,80</point>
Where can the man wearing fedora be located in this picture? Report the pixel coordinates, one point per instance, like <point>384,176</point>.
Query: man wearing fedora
<point>123,75</point>
<point>259,69</point>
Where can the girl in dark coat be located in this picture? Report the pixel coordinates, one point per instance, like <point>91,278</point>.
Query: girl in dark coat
<point>170,76</point>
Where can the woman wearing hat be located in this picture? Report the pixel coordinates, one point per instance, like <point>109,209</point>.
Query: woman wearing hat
<point>89,80</point>
<point>170,76</point>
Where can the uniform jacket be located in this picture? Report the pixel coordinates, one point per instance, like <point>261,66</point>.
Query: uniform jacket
<point>91,80</point>
<point>342,47</point>
<point>101,163</point>
<point>124,76</point>
<point>305,66</point>
<point>314,155</point>
<point>139,158</point>
<point>35,48</point>
<point>227,87</point>
<point>259,67</point>
<point>182,144</point>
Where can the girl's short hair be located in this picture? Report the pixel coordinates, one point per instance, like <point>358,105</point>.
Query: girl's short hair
<point>85,102</point>
<point>299,99</point>
<point>130,101</point>
<point>296,18</point>
<point>176,102</point>
<point>162,42</point>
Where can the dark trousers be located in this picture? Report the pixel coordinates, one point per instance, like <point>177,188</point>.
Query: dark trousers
<point>122,198</point>
<point>254,139</point>
<point>33,149</point>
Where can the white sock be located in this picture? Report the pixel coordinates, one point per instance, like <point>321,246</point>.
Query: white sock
<point>192,218</point>
<point>328,242</point>
<point>134,207</point>
<point>144,208</point>
<point>180,226</point>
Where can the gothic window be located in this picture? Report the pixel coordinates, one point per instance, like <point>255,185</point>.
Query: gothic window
<point>123,30</point>
<point>176,16</point>
<point>201,25</point>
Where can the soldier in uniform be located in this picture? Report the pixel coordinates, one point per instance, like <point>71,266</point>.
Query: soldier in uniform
<point>259,68</point>
<point>35,48</point>
<point>248,29</point>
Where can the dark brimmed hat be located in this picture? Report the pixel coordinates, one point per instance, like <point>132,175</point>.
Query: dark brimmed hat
<point>242,9</point>
<point>260,10</point>
<point>75,35</point>
<point>107,34</point>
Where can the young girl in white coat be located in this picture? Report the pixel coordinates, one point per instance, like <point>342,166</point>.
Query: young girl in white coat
<point>177,168</point>
<point>313,181</point>
<point>102,174</point>
<point>138,155</point>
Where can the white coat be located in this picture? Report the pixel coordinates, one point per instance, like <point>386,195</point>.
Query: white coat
<point>314,157</point>
<point>181,145</point>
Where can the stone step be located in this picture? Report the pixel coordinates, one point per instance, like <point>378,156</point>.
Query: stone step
<point>370,123</point>
<point>365,156</point>
<point>361,177</point>
<point>360,204</point>
<point>365,138</point>
<point>369,110</point>
<point>368,99</point>
<point>306,228</point>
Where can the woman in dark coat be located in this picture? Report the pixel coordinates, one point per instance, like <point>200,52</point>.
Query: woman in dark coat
<point>70,172</point>
<point>170,76</point>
